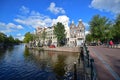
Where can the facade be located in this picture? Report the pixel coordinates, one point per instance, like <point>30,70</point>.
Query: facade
<point>75,35</point>
<point>39,30</point>
<point>50,36</point>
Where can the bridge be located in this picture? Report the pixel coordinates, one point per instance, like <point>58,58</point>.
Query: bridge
<point>107,62</point>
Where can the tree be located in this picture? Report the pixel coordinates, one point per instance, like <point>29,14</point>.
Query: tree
<point>11,39</point>
<point>28,37</point>
<point>100,28</point>
<point>88,38</point>
<point>116,28</point>
<point>2,37</point>
<point>59,31</point>
<point>17,41</point>
<point>8,41</point>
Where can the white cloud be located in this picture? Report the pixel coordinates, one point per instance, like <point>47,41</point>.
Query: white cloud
<point>86,25</point>
<point>13,26</point>
<point>63,19</point>
<point>87,32</point>
<point>52,8</point>
<point>24,10</point>
<point>106,5</point>
<point>36,19</point>
<point>10,27</point>
<point>42,20</point>
<point>19,36</point>
<point>6,31</point>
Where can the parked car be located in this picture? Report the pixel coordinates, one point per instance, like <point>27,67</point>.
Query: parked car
<point>93,44</point>
<point>52,46</point>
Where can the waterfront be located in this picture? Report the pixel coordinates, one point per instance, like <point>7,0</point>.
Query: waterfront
<point>18,63</point>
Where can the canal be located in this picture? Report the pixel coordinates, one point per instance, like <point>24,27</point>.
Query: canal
<point>20,63</point>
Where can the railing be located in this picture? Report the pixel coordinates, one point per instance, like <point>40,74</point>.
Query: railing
<point>90,72</point>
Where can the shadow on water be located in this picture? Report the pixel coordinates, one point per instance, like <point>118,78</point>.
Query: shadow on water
<point>4,51</point>
<point>10,48</point>
<point>51,61</point>
<point>28,64</point>
<point>26,52</point>
<point>58,67</point>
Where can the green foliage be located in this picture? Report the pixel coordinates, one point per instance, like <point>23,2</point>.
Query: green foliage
<point>88,38</point>
<point>116,29</point>
<point>17,41</point>
<point>59,31</point>
<point>100,28</point>
<point>8,40</point>
<point>28,37</point>
<point>58,67</point>
<point>11,39</point>
<point>2,37</point>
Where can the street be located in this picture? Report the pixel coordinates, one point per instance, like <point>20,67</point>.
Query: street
<point>107,62</point>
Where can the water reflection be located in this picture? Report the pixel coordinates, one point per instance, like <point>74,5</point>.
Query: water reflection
<point>58,67</point>
<point>10,48</point>
<point>5,51</point>
<point>55,62</point>
<point>2,54</point>
<point>20,63</point>
<point>26,52</point>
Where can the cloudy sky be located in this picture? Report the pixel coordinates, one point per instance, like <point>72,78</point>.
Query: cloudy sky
<point>20,16</point>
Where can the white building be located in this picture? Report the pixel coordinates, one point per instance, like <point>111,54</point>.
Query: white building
<point>50,35</point>
<point>75,35</point>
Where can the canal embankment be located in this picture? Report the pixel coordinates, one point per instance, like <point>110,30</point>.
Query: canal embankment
<point>7,45</point>
<point>65,49</point>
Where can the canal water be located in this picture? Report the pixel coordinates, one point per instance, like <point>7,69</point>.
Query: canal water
<point>20,63</point>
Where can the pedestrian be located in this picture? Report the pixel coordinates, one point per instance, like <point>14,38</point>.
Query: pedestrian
<point>111,43</point>
<point>99,42</point>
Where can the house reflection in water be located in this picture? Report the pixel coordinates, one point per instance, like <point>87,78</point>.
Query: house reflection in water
<point>50,61</point>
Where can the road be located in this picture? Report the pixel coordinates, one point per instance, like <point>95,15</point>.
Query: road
<point>107,62</point>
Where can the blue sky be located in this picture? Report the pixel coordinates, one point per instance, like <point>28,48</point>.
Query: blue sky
<point>20,16</point>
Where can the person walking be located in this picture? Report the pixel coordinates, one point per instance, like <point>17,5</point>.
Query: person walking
<point>111,43</point>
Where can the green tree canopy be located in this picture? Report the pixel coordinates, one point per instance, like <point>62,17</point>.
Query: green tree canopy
<point>11,39</point>
<point>17,40</point>
<point>28,37</point>
<point>59,31</point>
<point>116,28</point>
<point>8,40</point>
<point>100,28</point>
<point>2,37</point>
<point>88,38</point>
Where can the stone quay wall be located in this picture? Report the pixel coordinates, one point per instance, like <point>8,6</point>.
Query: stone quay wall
<point>66,49</point>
